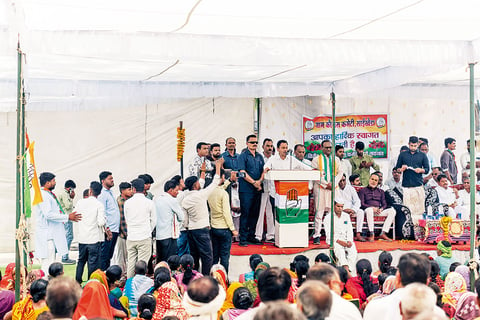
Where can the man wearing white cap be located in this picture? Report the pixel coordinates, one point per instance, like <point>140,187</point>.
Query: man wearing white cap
<point>343,245</point>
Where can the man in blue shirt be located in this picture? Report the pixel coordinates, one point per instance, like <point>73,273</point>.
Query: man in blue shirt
<point>230,155</point>
<point>112,213</point>
<point>413,164</point>
<point>250,165</point>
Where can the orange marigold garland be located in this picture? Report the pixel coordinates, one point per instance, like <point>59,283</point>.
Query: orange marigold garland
<point>180,143</point>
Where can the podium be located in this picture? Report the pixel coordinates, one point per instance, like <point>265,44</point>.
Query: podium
<point>291,206</point>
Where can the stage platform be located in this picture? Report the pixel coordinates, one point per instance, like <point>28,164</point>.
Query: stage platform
<point>282,257</point>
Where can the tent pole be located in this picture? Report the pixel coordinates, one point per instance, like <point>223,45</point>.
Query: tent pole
<point>473,185</point>
<point>20,142</point>
<point>332,174</point>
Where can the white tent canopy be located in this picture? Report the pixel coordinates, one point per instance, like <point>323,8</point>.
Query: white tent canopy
<point>208,48</point>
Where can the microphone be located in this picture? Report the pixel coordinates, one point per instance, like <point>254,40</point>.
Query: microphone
<point>290,151</point>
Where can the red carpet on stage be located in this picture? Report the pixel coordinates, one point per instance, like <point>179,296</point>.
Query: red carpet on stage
<point>269,248</point>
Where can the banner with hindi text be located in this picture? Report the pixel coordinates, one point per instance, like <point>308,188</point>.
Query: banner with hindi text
<point>371,129</point>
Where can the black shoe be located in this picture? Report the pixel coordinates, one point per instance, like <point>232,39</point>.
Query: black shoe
<point>316,240</point>
<point>270,240</point>
<point>243,244</point>
<point>254,241</point>
<point>68,261</point>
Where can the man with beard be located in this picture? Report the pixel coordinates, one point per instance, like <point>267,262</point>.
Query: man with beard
<point>361,163</point>
<point>215,152</point>
<point>50,237</point>
<point>201,164</point>
<point>112,213</point>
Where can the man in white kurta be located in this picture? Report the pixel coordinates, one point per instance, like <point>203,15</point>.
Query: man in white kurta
<point>343,244</point>
<point>448,196</point>
<point>265,215</point>
<point>50,232</point>
<point>323,188</point>
<point>351,205</point>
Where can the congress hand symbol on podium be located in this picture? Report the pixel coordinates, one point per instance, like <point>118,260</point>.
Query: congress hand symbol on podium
<point>292,203</point>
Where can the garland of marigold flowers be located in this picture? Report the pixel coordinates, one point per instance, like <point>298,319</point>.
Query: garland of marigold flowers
<point>180,143</point>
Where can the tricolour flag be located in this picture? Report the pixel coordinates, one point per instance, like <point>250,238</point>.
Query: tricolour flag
<point>32,186</point>
<point>291,201</point>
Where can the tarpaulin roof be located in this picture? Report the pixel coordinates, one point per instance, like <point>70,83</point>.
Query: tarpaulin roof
<point>250,48</point>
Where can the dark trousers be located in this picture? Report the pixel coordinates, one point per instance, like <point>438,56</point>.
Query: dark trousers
<point>250,207</point>
<point>90,254</point>
<point>221,244</point>
<point>182,244</point>
<point>107,251</point>
<point>201,248</point>
<point>166,248</point>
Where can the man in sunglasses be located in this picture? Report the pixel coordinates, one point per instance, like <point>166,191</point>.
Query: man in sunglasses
<point>250,165</point>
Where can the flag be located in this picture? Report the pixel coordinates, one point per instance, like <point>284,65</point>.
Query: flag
<point>32,186</point>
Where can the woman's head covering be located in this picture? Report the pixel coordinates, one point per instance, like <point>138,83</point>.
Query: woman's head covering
<point>228,304</point>
<point>445,248</point>
<point>169,302</point>
<point>389,285</point>
<point>455,286</point>
<point>162,264</point>
<point>7,300</point>
<point>467,307</point>
<point>94,302</point>
<point>262,266</point>
<point>100,276</point>
<point>465,272</point>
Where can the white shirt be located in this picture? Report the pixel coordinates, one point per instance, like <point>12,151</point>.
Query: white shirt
<point>195,205</point>
<point>392,184</point>
<point>169,217</point>
<point>446,195</point>
<point>350,198</point>
<point>343,309</point>
<point>464,198</point>
<point>346,168</point>
<point>388,308</point>
<point>277,163</point>
<point>90,228</point>
<point>266,185</point>
<point>465,160</point>
<point>140,216</point>
<point>343,229</point>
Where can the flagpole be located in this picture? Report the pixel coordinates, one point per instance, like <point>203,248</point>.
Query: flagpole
<point>19,171</point>
<point>332,174</point>
<point>473,184</point>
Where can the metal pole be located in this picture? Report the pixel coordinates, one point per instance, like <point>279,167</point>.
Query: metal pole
<point>19,191</point>
<point>181,160</point>
<point>332,174</point>
<point>473,189</point>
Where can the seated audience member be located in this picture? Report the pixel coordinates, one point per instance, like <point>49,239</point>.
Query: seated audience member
<point>273,285</point>
<point>314,300</point>
<point>203,299</point>
<point>137,285</point>
<point>432,182</point>
<point>32,305</point>
<point>412,267</point>
<point>146,307</point>
<point>351,204</point>
<point>228,303</point>
<point>299,267</point>
<point>94,302</point>
<point>187,272</point>
<point>435,274</point>
<point>417,298</point>
<point>322,257</point>
<point>174,264</point>
<point>252,286</point>
<point>455,287</point>
<point>344,276</point>
<point>395,181</point>
<point>169,301</point>
<point>254,260</point>
<point>384,263</point>
<point>355,180</point>
<point>219,273</point>
<point>444,257</point>
<point>363,285</point>
<point>55,270</point>
<point>116,298</point>
<point>343,244</point>
<point>464,199</point>
<point>341,308</point>
<point>448,196</point>
<point>278,310</point>
<point>63,295</point>
<point>242,301</point>
<point>454,266</point>
<point>374,203</point>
